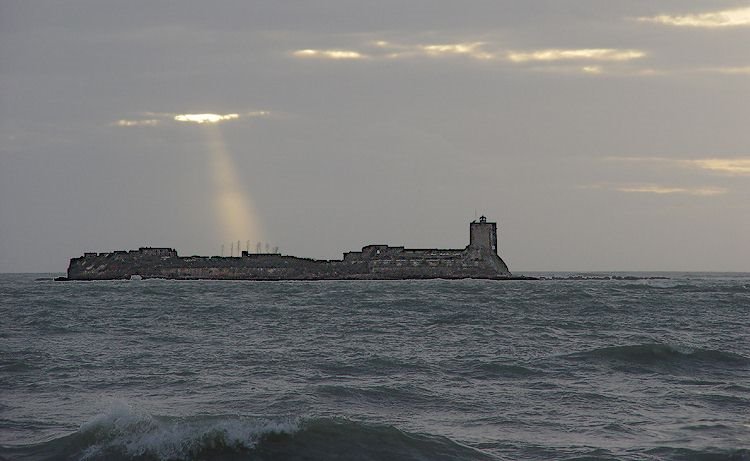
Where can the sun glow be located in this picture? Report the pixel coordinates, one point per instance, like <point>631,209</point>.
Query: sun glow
<point>205,118</point>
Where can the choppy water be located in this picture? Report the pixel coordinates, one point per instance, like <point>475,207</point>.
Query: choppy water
<point>420,370</point>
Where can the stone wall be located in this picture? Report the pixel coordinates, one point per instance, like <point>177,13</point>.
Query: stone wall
<point>478,260</point>
<point>390,263</point>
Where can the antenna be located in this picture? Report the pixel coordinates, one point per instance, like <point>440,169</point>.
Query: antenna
<point>222,250</point>
<point>247,246</point>
<point>231,250</point>
<point>239,253</point>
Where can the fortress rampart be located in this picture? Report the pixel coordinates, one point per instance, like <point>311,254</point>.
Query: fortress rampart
<point>374,262</point>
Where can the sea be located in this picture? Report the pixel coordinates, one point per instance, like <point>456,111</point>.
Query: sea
<point>560,369</point>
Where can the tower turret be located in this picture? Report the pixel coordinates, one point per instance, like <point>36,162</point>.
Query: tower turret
<point>483,235</point>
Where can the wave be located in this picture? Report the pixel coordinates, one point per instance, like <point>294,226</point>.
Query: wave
<point>495,370</point>
<point>380,395</point>
<point>15,366</point>
<point>683,288</point>
<point>372,365</point>
<point>125,434</point>
<point>699,455</point>
<point>663,355</point>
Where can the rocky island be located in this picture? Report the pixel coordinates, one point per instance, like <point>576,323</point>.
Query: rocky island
<point>479,260</point>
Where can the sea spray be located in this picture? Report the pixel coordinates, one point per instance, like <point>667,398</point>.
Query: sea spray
<point>125,432</point>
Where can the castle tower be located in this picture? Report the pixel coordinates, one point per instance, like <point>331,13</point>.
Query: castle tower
<point>483,235</point>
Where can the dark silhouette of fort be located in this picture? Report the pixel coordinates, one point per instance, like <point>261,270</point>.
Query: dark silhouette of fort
<point>375,262</point>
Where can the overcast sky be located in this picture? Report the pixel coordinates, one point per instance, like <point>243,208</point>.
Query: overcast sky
<point>600,135</point>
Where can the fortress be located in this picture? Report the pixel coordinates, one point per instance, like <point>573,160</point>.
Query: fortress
<point>478,260</point>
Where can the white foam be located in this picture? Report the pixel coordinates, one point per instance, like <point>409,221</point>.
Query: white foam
<point>122,428</point>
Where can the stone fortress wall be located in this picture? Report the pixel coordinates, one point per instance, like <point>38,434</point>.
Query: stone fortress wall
<point>382,262</point>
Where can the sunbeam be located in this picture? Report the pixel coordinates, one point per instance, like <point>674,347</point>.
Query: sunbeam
<point>235,209</point>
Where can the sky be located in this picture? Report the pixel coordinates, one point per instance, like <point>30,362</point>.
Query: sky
<point>599,135</point>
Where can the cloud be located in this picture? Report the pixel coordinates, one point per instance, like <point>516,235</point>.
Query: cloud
<point>160,118</point>
<point>656,189</point>
<point>738,166</point>
<point>382,49</point>
<point>583,54</point>
<point>714,19</point>
<point>472,50</point>
<point>739,70</point>
<point>587,61</point>
<point>329,54</point>
<point>592,69</point>
<point>724,166</point>
<point>666,190</point>
<point>256,113</point>
<point>434,50</point>
<point>478,50</point>
<point>205,118</point>
<point>131,123</point>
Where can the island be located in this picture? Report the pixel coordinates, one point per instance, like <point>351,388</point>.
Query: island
<point>478,260</point>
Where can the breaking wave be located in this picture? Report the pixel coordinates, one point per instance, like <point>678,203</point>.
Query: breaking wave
<point>125,434</point>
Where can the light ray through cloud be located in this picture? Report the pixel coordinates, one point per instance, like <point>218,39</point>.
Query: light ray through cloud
<point>234,208</point>
<point>712,19</point>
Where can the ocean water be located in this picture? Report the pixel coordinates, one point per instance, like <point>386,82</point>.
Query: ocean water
<point>376,370</point>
